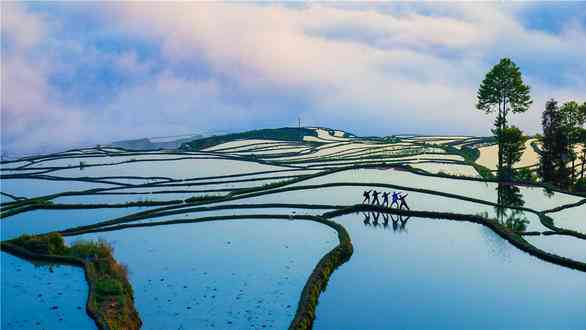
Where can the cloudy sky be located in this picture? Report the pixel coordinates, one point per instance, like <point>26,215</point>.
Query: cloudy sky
<point>87,73</point>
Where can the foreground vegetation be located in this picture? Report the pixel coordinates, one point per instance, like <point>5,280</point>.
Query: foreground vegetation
<point>110,300</point>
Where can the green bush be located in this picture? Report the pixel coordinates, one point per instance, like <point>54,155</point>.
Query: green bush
<point>90,249</point>
<point>55,244</point>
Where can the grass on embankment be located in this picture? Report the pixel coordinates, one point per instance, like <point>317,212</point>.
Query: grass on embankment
<point>110,301</point>
<point>318,280</point>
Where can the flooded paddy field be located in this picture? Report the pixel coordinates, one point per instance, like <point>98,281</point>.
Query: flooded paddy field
<point>231,274</point>
<point>247,234</point>
<point>43,296</point>
<point>434,274</point>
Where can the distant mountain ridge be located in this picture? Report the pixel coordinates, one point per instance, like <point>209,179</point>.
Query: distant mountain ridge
<point>155,143</point>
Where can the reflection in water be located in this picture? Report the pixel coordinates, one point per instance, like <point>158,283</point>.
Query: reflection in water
<point>39,295</point>
<point>510,196</point>
<point>441,271</point>
<point>548,192</point>
<point>397,222</point>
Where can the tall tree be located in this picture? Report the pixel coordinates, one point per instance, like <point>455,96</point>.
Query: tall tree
<point>582,142</point>
<point>573,116</point>
<point>555,147</point>
<point>503,91</point>
<point>513,146</point>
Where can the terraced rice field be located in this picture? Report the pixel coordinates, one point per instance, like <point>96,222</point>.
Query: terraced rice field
<point>246,234</point>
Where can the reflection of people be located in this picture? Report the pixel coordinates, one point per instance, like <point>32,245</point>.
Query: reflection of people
<point>366,195</point>
<point>385,220</point>
<point>403,221</point>
<point>403,201</point>
<point>375,200</point>
<point>366,218</point>
<point>375,216</point>
<point>385,199</point>
<point>399,222</point>
<point>395,224</point>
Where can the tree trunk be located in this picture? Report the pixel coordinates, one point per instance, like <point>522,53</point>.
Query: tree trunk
<point>500,142</point>
<point>573,171</point>
<point>583,160</point>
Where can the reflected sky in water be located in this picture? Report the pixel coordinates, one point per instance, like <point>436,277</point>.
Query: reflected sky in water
<point>440,274</point>
<point>236,274</point>
<point>36,296</point>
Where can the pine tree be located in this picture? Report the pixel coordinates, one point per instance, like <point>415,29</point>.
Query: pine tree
<point>573,116</point>
<point>503,91</point>
<point>555,147</point>
<point>513,146</point>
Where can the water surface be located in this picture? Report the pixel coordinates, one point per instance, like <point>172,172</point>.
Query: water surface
<point>237,274</point>
<point>42,296</point>
<point>439,274</point>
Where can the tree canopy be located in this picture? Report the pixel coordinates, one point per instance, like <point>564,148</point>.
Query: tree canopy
<point>503,91</point>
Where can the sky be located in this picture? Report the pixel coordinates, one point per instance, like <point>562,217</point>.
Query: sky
<point>86,73</point>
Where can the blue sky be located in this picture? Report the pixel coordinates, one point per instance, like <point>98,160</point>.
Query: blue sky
<point>87,73</point>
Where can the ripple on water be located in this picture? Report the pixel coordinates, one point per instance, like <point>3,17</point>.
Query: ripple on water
<point>235,274</point>
<point>41,296</point>
<point>440,274</point>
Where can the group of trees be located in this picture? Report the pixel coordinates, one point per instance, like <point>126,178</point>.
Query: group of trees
<point>563,142</point>
<point>503,92</point>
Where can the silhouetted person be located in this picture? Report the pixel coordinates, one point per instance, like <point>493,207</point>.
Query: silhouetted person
<point>375,200</point>
<point>385,199</point>
<point>366,195</point>
<point>395,199</point>
<point>403,201</point>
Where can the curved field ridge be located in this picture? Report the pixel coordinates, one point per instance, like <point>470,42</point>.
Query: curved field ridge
<point>317,281</point>
<point>289,162</point>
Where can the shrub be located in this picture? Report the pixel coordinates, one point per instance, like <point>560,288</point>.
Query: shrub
<point>55,244</point>
<point>91,249</point>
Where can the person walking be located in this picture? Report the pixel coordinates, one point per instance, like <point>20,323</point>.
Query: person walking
<point>375,200</point>
<point>366,195</point>
<point>395,199</point>
<point>386,199</point>
<point>403,201</point>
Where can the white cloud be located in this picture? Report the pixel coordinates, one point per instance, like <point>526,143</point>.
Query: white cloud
<point>20,28</point>
<point>369,63</point>
<point>375,69</point>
